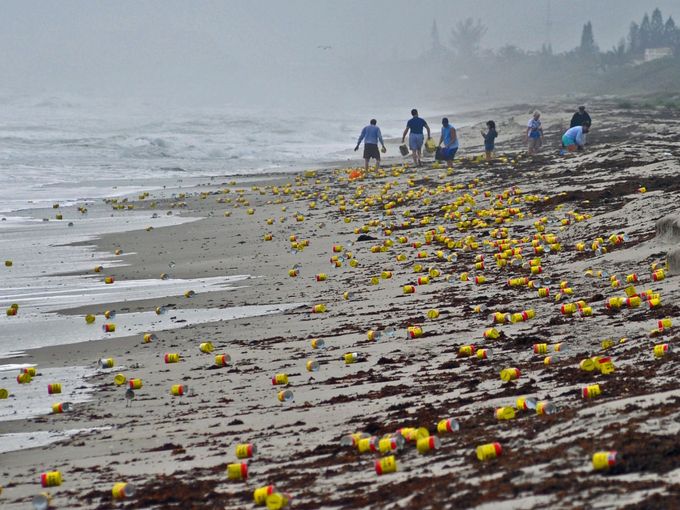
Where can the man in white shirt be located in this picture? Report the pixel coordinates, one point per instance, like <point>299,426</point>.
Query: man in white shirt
<point>574,139</point>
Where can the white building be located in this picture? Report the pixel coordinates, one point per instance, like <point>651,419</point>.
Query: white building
<point>656,53</point>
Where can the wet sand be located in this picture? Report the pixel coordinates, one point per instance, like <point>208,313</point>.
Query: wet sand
<point>176,449</point>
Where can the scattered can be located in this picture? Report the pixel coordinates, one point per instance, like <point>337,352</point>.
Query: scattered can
<point>54,388</point>
<point>312,365</point>
<point>427,444</point>
<point>122,490</point>
<point>386,465</point>
<point>50,479</point>
<point>489,451</point>
<point>604,460</point>
<point>61,407</point>
<point>171,357</point>
<point>280,379</point>
<point>222,360</point>
<point>206,347</point>
<point>510,374</point>
<point>148,337</point>
<point>526,403</point>
<point>285,396</point>
<point>135,384</point>
<point>245,450</point>
<point>119,380</point>
<point>106,363</point>
<point>318,343</point>
<point>409,289</point>
<point>109,328</point>
<point>237,471</point>
<point>544,407</point>
<point>591,391</point>
<point>320,308</point>
<point>260,494</point>
<point>277,501</point>
<point>661,350</point>
<point>505,413</point>
<point>448,425</point>
<point>178,390</point>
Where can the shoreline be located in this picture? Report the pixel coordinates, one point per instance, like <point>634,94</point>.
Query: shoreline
<point>158,441</point>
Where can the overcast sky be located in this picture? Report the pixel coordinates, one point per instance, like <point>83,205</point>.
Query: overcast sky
<point>174,46</point>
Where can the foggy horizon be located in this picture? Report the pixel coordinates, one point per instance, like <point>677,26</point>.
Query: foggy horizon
<point>269,52</point>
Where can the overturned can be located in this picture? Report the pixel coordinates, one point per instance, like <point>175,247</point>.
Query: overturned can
<point>489,451</point>
<point>222,360</point>
<point>482,354</point>
<point>350,357</point>
<point>206,347</point>
<point>492,334</point>
<point>414,332</point>
<point>280,379</point>
<point>61,407</point>
<point>388,444</point>
<point>122,490</point>
<point>171,357</point>
<point>106,363</point>
<point>237,471</point>
<point>24,378</point>
<point>505,413</point>
<point>510,374</point>
<point>526,403</point>
<point>285,396</point>
<point>448,425</point>
<point>54,388</point>
<point>386,465</point>
<point>312,365</point>
<point>50,479</point>
<point>544,407</point>
<point>277,501</point>
<point>540,348</point>
<point>135,384</point>
<point>109,328</point>
<point>245,450</point>
<point>320,308</point>
<point>409,289</point>
<point>318,343</point>
<point>661,350</point>
<point>426,444</point>
<point>119,380</point>
<point>260,494</point>
<point>604,460</point>
<point>179,389</point>
<point>148,338</point>
<point>466,350</point>
<point>591,391</point>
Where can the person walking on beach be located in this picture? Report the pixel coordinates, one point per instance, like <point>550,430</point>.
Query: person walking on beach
<point>449,137</point>
<point>574,138</point>
<point>581,118</point>
<point>534,134</point>
<point>416,138</point>
<point>489,139</point>
<point>371,135</point>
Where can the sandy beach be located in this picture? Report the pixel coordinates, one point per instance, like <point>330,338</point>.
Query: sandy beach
<point>444,227</point>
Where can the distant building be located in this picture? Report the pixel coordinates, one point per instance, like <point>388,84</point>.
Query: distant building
<point>657,53</point>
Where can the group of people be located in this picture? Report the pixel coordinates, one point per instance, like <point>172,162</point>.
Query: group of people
<point>573,139</point>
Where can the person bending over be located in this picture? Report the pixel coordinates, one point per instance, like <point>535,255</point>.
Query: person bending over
<point>573,139</point>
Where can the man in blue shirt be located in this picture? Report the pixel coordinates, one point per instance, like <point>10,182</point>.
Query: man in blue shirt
<point>416,138</point>
<point>371,135</point>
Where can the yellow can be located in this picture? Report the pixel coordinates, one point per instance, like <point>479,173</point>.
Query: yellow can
<point>4,394</point>
<point>604,460</point>
<point>50,479</point>
<point>179,389</point>
<point>505,413</point>
<point>245,450</point>
<point>320,308</point>
<point>206,347</point>
<point>260,494</point>
<point>447,426</point>
<point>135,384</point>
<point>53,388</point>
<point>587,365</point>
<point>427,444</point>
<point>122,490</point>
<point>285,396</point>
<point>277,501</point>
<point>280,379</point>
<point>237,471</point>
<point>433,314</point>
<point>317,343</point>
<point>510,374</point>
<point>489,451</point>
<point>119,379</point>
<point>591,391</point>
<point>409,289</point>
<point>386,465</point>
<point>661,350</point>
